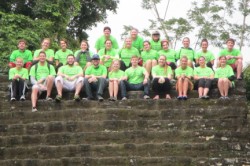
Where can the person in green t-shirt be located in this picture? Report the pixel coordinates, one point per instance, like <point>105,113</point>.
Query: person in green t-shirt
<point>115,76</point>
<point>126,53</point>
<point>62,54</point>
<point>95,78</point>
<point>170,54</point>
<point>70,78</point>
<point>108,54</point>
<point>225,76</point>
<point>234,57</point>
<point>186,51</point>
<point>137,41</point>
<point>149,56</point>
<point>18,77</point>
<point>162,74</point>
<point>45,48</point>
<point>23,53</point>
<point>83,56</point>
<point>42,76</point>
<point>183,74</point>
<point>203,77</point>
<point>100,41</point>
<point>136,78</point>
<point>156,41</point>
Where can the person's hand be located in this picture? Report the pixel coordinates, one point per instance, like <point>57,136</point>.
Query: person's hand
<point>145,81</point>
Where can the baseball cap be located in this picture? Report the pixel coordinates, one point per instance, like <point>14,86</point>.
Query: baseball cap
<point>155,33</point>
<point>95,57</point>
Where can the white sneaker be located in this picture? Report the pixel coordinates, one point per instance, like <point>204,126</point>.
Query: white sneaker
<point>13,99</point>
<point>34,109</point>
<point>146,97</point>
<point>22,98</point>
<point>124,98</point>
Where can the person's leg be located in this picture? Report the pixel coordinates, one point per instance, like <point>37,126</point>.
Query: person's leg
<point>27,65</point>
<point>111,88</point>
<point>180,87</point>
<point>116,88</point>
<point>101,86</point>
<point>34,95</point>
<point>49,84</point>
<point>239,66</point>
<point>123,88</point>
<point>167,88</point>
<point>13,89</point>
<point>227,85</point>
<point>190,63</point>
<point>155,87</point>
<point>11,65</point>
<point>21,89</point>
<point>146,88</point>
<point>201,85</point>
<point>122,66</point>
<point>148,65</point>
<point>154,63</point>
<point>208,85</point>
<point>185,87</point>
<point>59,85</point>
<point>79,85</point>
<point>221,87</point>
<point>88,88</point>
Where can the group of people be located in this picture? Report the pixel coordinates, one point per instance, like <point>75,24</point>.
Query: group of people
<point>133,67</point>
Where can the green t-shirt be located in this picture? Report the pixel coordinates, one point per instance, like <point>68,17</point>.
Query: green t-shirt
<point>127,53</point>
<point>83,57</point>
<point>112,53</point>
<point>135,75</point>
<point>189,52</point>
<point>161,71</point>
<point>116,74</point>
<point>208,55</point>
<point>49,53</point>
<point>42,71</point>
<point>203,72</point>
<point>100,43</point>
<point>187,72</point>
<point>96,71</point>
<point>170,54</point>
<point>26,55</point>
<point>70,70</point>
<point>149,55</point>
<point>61,55</point>
<point>23,72</point>
<point>234,52</point>
<point>138,43</point>
<point>155,45</point>
<point>225,72</point>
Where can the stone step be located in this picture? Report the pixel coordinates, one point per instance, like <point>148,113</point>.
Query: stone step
<point>129,161</point>
<point>120,125</point>
<point>232,149</point>
<point>120,137</point>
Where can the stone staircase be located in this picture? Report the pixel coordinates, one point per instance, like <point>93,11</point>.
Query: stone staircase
<point>126,133</point>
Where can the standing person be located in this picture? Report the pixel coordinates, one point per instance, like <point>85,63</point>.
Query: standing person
<point>18,77</point>
<point>170,54</point>
<point>225,76</point>
<point>42,77</point>
<point>95,78</point>
<point>83,56</point>
<point>208,55</point>
<point>149,56</point>
<point>108,54</point>
<point>106,35</point>
<point>183,74</point>
<point>50,54</point>
<point>162,74</point>
<point>23,53</point>
<point>137,41</point>
<point>234,57</point>
<point>62,54</point>
<point>156,41</point>
<point>70,78</point>
<point>126,53</point>
<point>115,76</point>
<point>136,78</point>
<point>203,77</point>
<point>186,51</point>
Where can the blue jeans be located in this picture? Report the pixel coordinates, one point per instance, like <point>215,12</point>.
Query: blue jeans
<point>125,85</point>
<point>99,86</point>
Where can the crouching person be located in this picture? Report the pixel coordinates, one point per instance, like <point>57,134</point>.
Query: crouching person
<point>42,77</point>
<point>136,78</point>
<point>18,77</point>
<point>70,78</point>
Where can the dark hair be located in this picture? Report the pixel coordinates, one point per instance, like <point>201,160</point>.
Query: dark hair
<point>105,50</point>
<point>107,28</point>
<point>65,40</point>
<point>164,41</point>
<point>85,41</point>
<point>71,55</point>
<point>230,39</point>
<point>146,41</point>
<point>204,40</point>
<point>42,52</point>
<point>186,38</point>
<point>22,40</point>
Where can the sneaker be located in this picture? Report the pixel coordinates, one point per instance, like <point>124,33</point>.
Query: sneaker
<point>88,98</point>
<point>77,98</point>
<point>48,98</point>
<point>146,97</point>
<point>22,98</point>
<point>115,99</point>
<point>206,97</point>
<point>111,99</point>
<point>13,99</point>
<point>34,109</point>
<point>124,98</point>
<point>201,97</point>
<point>58,98</point>
<point>100,98</point>
<point>226,98</point>
<point>222,98</point>
<point>179,97</point>
<point>184,97</point>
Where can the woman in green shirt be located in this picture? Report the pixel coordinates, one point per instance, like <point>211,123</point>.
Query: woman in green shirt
<point>162,74</point>
<point>203,77</point>
<point>50,54</point>
<point>170,54</point>
<point>225,76</point>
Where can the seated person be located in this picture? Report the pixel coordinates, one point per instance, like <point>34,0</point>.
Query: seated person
<point>45,48</point>
<point>95,78</point>
<point>42,77</point>
<point>62,54</point>
<point>162,74</point>
<point>203,77</point>
<point>183,74</point>
<point>136,78</point>
<point>18,77</point>
<point>155,42</point>
<point>23,53</point>
<point>225,76</point>
<point>69,77</point>
<point>137,41</point>
<point>234,57</point>
<point>115,76</point>
<point>169,53</point>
